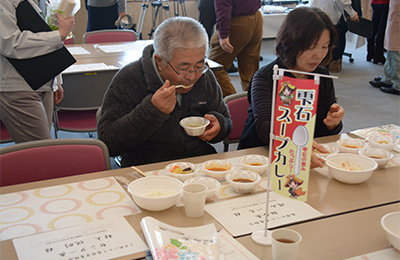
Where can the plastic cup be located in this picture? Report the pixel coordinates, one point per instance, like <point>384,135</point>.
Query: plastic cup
<point>285,244</point>
<point>194,195</point>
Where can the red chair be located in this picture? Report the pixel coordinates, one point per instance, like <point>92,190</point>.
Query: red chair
<point>104,36</point>
<point>238,106</point>
<point>49,159</point>
<point>5,136</point>
<point>83,95</point>
<point>69,41</point>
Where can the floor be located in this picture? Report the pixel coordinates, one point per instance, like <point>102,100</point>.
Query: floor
<point>365,106</point>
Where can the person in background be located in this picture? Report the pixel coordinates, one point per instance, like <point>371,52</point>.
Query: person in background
<point>102,14</point>
<point>207,18</point>
<point>390,82</point>
<point>27,114</point>
<point>338,11</point>
<point>142,107</point>
<point>239,27</point>
<point>304,43</point>
<point>207,15</point>
<point>380,9</point>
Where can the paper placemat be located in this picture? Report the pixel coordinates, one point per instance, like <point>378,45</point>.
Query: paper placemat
<point>226,189</point>
<point>387,254</point>
<point>38,210</point>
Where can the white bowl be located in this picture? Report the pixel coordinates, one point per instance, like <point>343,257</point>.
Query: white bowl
<point>382,141</point>
<point>194,125</point>
<point>212,184</point>
<point>255,163</point>
<point>331,150</point>
<point>182,165</point>
<point>350,168</point>
<point>380,156</point>
<point>391,224</point>
<point>156,193</point>
<point>217,169</point>
<point>243,181</point>
<point>351,145</point>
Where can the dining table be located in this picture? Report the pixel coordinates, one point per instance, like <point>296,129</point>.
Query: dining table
<point>116,54</point>
<point>349,225</point>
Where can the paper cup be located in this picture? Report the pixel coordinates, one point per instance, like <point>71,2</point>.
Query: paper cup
<point>194,195</point>
<point>285,244</point>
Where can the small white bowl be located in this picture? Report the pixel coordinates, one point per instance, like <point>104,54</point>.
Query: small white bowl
<point>391,224</point>
<point>351,145</point>
<point>350,168</point>
<point>382,141</point>
<point>255,163</point>
<point>194,125</point>
<point>217,169</point>
<point>243,181</point>
<point>212,184</point>
<point>331,150</point>
<point>182,165</point>
<point>380,156</point>
<point>156,193</point>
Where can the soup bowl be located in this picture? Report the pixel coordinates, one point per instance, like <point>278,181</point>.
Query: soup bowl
<point>350,168</point>
<point>156,193</point>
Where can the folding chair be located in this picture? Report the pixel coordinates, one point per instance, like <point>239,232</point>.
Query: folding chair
<point>69,41</point>
<point>83,95</point>
<point>53,158</point>
<point>5,136</point>
<point>238,106</point>
<point>104,36</point>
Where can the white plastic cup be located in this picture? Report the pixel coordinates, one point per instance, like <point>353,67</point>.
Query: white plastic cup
<point>194,195</point>
<point>285,244</point>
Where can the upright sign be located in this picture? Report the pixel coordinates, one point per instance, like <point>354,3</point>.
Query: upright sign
<point>293,131</point>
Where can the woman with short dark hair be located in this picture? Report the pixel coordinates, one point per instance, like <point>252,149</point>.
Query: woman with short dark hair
<point>304,43</point>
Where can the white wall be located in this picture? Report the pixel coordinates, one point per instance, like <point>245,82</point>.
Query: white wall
<point>134,8</point>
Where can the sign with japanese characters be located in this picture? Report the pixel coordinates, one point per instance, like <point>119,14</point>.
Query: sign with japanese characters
<point>243,215</point>
<point>293,131</point>
<point>105,239</point>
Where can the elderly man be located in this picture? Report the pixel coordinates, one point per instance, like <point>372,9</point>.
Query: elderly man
<point>143,106</point>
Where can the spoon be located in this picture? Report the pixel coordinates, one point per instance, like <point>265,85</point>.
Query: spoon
<point>299,138</point>
<point>329,161</point>
<point>183,86</point>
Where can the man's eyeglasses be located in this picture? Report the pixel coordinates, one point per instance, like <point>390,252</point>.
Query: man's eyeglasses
<point>184,73</point>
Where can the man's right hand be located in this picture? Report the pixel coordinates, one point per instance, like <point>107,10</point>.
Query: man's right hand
<point>164,99</point>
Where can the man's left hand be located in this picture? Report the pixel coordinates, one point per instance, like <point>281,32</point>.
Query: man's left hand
<point>226,45</point>
<point>212,130</point>
<point>334,116</point>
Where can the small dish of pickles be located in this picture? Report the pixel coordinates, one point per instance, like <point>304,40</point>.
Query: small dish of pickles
<point>181,170</point>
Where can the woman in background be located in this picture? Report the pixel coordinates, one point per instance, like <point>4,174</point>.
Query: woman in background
<point>304,43</point>
<point>102,14</point>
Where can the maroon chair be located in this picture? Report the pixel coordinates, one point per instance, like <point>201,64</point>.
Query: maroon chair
<point>237,105</point>
<point>104,36</point>
<point>69,41</point>
<point>52,158</point>
<point>5,136</point>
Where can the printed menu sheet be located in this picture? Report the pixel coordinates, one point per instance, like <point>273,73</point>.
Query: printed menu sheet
<point>232,249</point>
<point>89,67</point>
<point>35,211</point>
<point>245,215</point>
<point>99,240</point>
